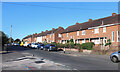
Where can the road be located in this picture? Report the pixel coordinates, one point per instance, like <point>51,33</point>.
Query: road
<point>88,62</point>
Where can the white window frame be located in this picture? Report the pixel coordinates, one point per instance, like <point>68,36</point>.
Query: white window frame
<point>77,41</point>
<point>96,30</point>
<point>77,33</point>
<point>118,34</point>
<point>104,29</point>
<point>83,32</point>
<point>83,41</point>
<point>50,35</point>
<point>59,35</point>
<point>113,36</point>
<point>67,34</point>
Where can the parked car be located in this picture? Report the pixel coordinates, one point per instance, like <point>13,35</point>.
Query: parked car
<point>22,44</point>
<point>29,45</point>
<point>16,44</point>
<point>25,44</point>
<point>50,47</point>
<point>115,57</point>
<point>41,46</point>
<point>35,45</point>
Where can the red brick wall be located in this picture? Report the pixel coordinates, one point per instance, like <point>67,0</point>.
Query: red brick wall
<point>89,33</point>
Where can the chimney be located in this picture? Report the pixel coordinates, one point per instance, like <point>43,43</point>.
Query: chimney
<point>90,20</point>
<point>102,22</point>
<point>53,28</point>
<point>77,23</point>
<point>60,27</point>
<point>46,30</point>
<point>42,32</point>
<point>113,14</point>
<point>35,33</point>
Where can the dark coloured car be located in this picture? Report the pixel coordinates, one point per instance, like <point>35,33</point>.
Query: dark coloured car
<point>50,47</point>
<point>41,46</point>
<point>29,45</point>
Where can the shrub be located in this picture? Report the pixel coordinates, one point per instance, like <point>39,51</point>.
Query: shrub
<point>67,45</point>
<point>88,46</point>
<point>71,45</point>
<point>68,41</point>
<point>71,40</point>
<point>108,42</point>
<point>54,43</point>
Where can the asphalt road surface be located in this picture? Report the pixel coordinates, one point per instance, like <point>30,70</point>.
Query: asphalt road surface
<point>87,62</point>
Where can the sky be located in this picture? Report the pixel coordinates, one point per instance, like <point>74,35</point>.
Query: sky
<point>33,17</point>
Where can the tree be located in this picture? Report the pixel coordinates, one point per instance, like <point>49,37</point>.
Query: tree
<point>12,40</point>
<point>108,42</point>
<point>4,38</point>
<point>17,41</point>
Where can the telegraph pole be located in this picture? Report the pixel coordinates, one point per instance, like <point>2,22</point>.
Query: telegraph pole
<point>10,35</point>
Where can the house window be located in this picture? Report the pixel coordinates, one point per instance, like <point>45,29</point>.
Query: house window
<point>113,37</point>
<point>118,38</point>
<point>78,41</point>
<point>83,41</point>
<point>67,34</point>
<point>43,36</point>
<point>71,37</point>
<point>104,29</point>
<point>77,33</point>
<point>64,42</point>
<point>96,30</point>
<point>83,32</point>
<point>59,35</point>
<point>50,35</point>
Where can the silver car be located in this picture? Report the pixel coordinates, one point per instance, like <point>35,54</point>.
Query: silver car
<point>115,57</point>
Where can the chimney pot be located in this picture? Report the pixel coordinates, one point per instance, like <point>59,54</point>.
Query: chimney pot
<point>90,20</point>
<point>113,14</point>
<point>77,23</point>
<point>42,32</point>
<point>52,28</point>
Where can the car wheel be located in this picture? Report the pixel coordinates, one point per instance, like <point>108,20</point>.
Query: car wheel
<point>114,59</point>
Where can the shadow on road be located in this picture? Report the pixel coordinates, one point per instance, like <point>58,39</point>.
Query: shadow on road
<point>6,52</point>
<point>17,48</point>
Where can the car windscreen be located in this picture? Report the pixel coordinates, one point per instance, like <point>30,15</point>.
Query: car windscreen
<point>42,44</point>
<point>36,43</point>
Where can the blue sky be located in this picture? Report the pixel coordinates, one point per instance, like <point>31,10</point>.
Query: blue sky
<point>34,17</point>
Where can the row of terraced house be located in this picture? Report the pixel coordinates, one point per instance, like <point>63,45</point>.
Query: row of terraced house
<point>97,31</point>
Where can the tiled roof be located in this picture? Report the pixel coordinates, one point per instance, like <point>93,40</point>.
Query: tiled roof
<point>48,32</point>
<point>27,36</point>
<point>93,23</point>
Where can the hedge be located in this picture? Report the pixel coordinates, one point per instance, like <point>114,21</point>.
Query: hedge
<point>88,46</point>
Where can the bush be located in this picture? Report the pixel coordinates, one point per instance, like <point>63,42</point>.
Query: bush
<point>72,45</point>
<point>88,46</point>
<point>67,45</point>
<point>108,42</point>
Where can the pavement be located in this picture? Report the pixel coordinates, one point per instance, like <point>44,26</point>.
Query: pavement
<point>22,58</point>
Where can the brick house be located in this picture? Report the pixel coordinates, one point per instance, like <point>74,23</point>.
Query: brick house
<point>52,35</point>
<point>27,39</point>
<point>97,31</point>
